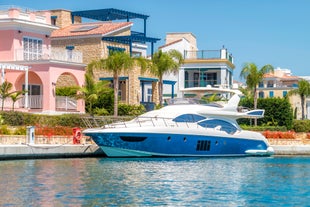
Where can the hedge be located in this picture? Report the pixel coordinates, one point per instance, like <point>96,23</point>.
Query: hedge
<point>14,118</point>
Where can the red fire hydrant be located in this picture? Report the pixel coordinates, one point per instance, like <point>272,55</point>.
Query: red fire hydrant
<point>77,135</point>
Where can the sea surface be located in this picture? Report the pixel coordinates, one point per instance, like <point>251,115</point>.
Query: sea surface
<point>250,181</point>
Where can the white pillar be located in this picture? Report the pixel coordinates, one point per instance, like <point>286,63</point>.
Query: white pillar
<point>26,87</point>
<point>223,53</point>
<point>2,75</point>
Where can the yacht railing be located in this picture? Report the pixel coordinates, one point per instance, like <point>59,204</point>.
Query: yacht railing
<point>108,123</point>
<point>112,122</point>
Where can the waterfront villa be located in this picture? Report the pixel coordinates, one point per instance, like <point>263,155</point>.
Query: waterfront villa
<point>28,61</point>
<point>201,68</point>
<point>278,84</point>
<point>43,50</point>
<point>100,35</point>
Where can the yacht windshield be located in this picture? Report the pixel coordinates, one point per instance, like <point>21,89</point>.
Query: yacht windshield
<point>189,118</point>
<point>222,125</point>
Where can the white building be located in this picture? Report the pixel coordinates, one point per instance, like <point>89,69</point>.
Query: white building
<point>200,69</point>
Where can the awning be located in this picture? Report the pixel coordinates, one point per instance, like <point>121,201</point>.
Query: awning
<point>13,66</point>
<point>108,14</point>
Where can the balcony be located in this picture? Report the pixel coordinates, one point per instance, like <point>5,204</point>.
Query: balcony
<point>17,12</point>
<point>200,83</point>
<point>208,55</point>
<point>56,54</point>
<point>36,102</point>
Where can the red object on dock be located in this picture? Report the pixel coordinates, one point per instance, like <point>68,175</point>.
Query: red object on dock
<point>77,135</point>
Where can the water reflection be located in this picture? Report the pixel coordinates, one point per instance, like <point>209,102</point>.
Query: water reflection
<point>155,182</point>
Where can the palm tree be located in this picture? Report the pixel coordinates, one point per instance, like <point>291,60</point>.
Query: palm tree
<point>303,91</point>
<point>91,91</point>
<point>165,62</point>
<point>15,96</point>
<point>5,88</point>
<point>253,77</point>
<point>117,62</point>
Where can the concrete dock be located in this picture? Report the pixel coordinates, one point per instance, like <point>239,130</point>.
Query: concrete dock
<point>42,151</point>
<point>33,151</point>
<point>298,150</point>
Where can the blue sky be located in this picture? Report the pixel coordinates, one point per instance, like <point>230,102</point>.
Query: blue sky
<point>273,32</point>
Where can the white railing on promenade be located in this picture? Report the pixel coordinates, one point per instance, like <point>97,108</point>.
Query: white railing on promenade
<point>49,54</point>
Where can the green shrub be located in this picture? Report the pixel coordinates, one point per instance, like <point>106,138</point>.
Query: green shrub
<point>101,111</point>
<point>13,118</point>
<point>263,128</point>
<point>71,120</point>
<point>278,112</point>
<point>67,91</point>
<point>130,110</point>
<point>4,130</point>
<point>20,131</point>
<point>301,125</point>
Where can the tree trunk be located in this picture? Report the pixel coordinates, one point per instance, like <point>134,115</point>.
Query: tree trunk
<point>255,105</point>
<point>160,91</point>
<point>302,107</point>
<point>115,84</point>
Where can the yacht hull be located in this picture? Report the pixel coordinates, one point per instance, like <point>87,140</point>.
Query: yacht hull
<point>133,144</point>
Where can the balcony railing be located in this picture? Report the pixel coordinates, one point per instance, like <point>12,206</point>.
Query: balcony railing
<point>49,54</point>
<point>65,103</point>
<point>36,102</point>
<point>279,85</point>
<point>18,12</point>
<point>199,83</point>
<point>202,54</point>
<point>208,54</point>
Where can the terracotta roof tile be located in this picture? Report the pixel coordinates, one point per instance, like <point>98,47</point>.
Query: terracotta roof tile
<point>89,29</point>
<point>290,77</point>
<point>269,75</point>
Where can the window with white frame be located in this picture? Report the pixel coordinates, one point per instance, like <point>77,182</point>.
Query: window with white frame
<point>149,95</point>
<point>32,48</point>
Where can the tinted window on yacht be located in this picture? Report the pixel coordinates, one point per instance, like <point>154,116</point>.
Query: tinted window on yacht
<point>188,118</point>
<point>219,124</point>
<point>132,138</point>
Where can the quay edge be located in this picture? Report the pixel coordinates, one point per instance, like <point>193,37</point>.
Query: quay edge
<point>45,151</point>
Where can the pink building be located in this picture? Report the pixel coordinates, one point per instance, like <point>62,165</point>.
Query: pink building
<point>28,61</point>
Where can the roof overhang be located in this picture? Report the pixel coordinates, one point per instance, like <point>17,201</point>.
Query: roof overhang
<point>108,14</point>
<point>130,39</point>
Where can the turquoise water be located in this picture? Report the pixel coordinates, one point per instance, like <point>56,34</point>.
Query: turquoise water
<point>252,181</point>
